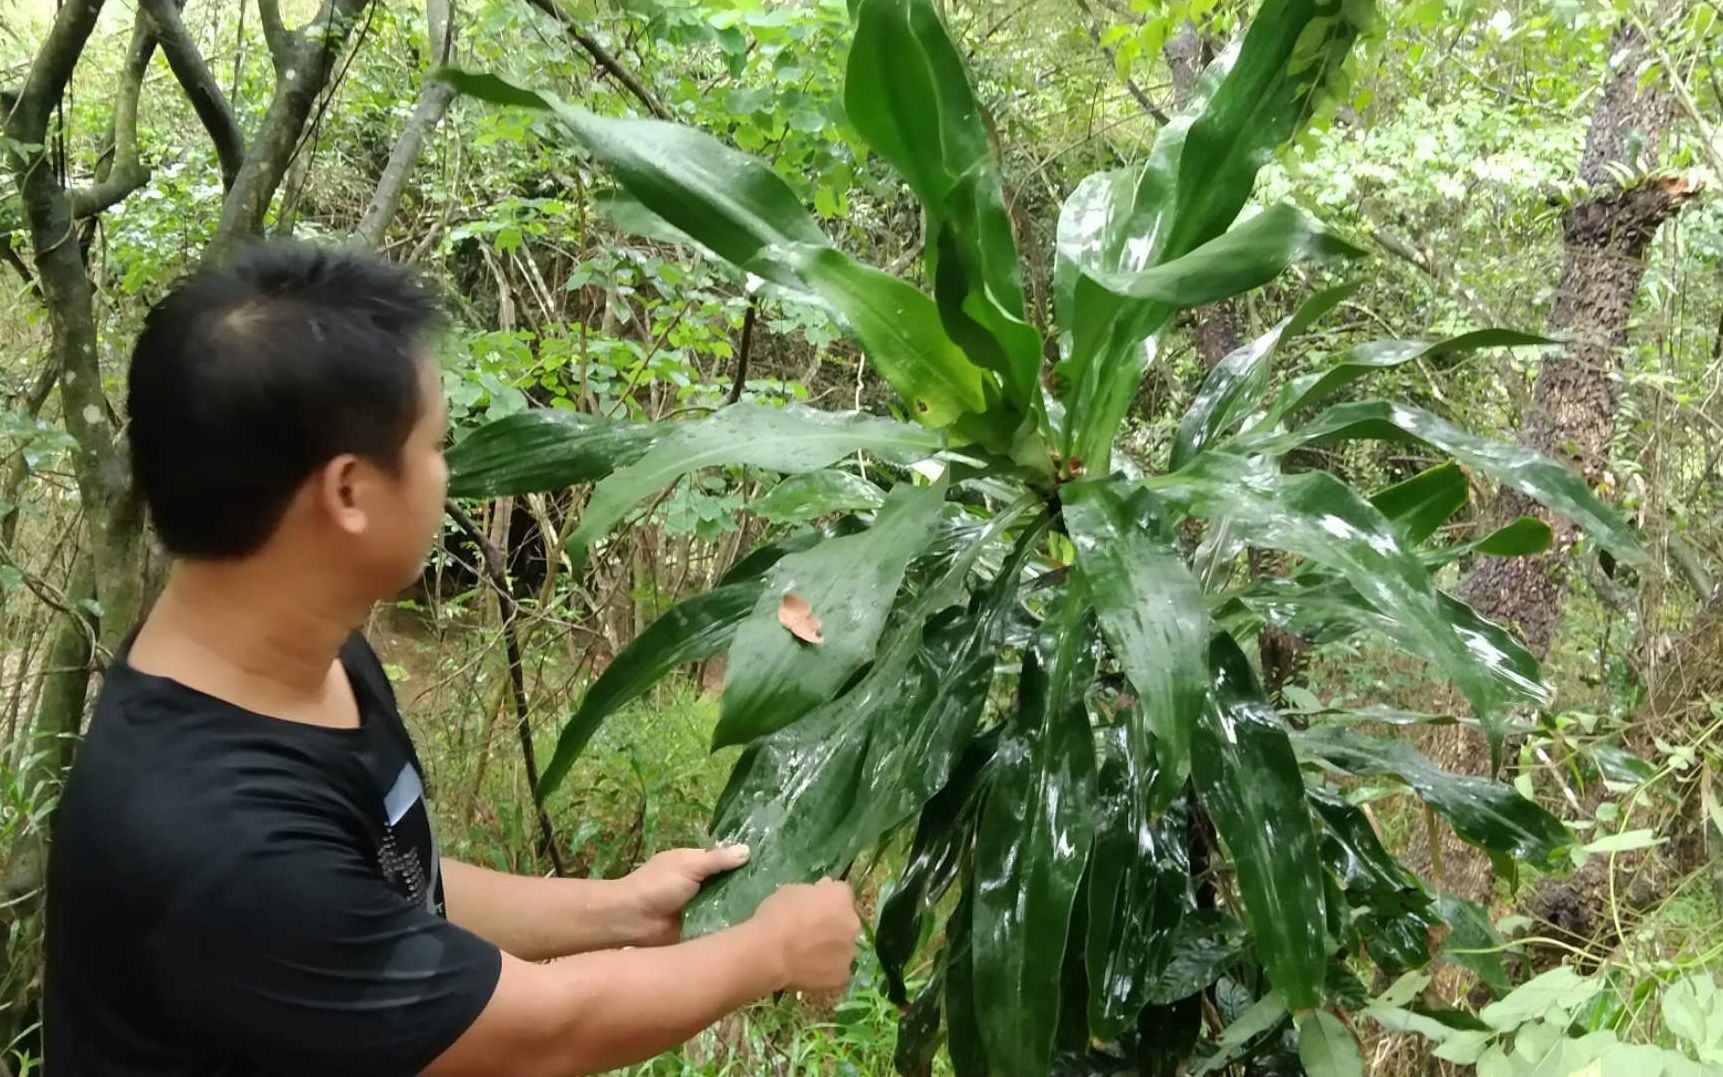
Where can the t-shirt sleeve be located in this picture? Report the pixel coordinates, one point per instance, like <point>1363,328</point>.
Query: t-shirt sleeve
<point>299,957</point>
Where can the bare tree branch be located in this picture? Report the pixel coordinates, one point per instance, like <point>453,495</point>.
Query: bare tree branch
<point>122,173</point>
<point>434,98</point>
<point>601,56</point>
<point>199,84</point>
<point>304,68</point>
<point>275,32</point>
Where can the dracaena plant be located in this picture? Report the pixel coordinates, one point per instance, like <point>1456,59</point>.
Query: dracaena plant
<point>1021,660</point>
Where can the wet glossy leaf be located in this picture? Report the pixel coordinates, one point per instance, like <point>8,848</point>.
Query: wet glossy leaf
<point>1247,775</point>
<point>1327,1047</point>
<point>544,449</point>
<point>1151,610</point>
<point>811,797</point>
<point>907,93</point>
<point>918,1031</point>
<point>773,677</point>
<point>817,493</point>
<point>1544,480</point>
<point>695,628</point>
<point>1032,843</point>
<point>1420,505</point>
<point>1489,814</point>
<point>1201,954</point>
<point>942,835</point>
<point>1138,887</point>
<point>1316,516</point>
<point>790,440</point>
<point>963,1041</point>
<point>1238,382</point>
<point>1473,943</point>
<point>1367,359</point>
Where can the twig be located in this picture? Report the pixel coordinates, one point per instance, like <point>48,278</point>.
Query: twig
<point>497,569</point>
<point>601,56</point>
<point>742,355</point>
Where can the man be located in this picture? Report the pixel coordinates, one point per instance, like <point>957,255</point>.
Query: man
<point>243,878</point>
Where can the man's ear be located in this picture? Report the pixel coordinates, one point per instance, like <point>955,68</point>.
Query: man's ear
<point>339,490</point>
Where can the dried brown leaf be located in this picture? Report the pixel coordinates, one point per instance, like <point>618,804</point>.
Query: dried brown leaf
<point>795,614</point>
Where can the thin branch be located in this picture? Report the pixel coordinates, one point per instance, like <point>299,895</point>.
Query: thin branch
<point>601,56</point>
<point>496,569</point>
<point>199,84</point>
<point>1136,91</point>
<point>742,355</point>
<point>275,32</point>
<point>125,173</point>
<point>434,97</point>
<point>9,255</point>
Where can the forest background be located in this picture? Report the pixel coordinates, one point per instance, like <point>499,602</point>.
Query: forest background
<point>1542,166</point>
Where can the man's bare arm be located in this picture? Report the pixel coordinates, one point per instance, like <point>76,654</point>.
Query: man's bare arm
<point>537,919</point>
<point>599,1011</point>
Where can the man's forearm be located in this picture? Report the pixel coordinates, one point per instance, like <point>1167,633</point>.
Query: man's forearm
<point>537,919</point>
<point>599,1011</point>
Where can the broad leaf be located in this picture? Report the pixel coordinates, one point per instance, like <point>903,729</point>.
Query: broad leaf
<point>1032,844</point>
<point>1536,476</point>
<point>907,93</point>
<point>1524,536</point>
<point>1138,890</point>
<point>773,677</point>
<point>1318,517</point>
<point>1247,775</point>
<point>1488,814</point>
<point>738,208</point>
<point>1202,952</point>
<point>1237,383</point>
<point>962,1017</point>
<point>1327,1048</point>
<point>1367,359</point>
<point>1151,610</point>
<point>817,493</point>
<point>1473,942</point>
<point>789,440</point>
<point>544,449</point>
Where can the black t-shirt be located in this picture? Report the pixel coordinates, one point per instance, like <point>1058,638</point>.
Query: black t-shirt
<point>235,894</point>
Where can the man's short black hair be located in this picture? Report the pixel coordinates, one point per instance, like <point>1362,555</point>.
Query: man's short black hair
<point>251,375</point>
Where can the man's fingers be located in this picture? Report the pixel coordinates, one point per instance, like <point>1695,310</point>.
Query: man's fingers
<point>710,862</point>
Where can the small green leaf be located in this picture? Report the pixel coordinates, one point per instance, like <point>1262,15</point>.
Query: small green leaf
<point>1420,505</point>
<point>1526,535</point>
<point>1625,842</point>
<point>817,493</point>
<point>1327,1047</point>
<point>1263,1016</point>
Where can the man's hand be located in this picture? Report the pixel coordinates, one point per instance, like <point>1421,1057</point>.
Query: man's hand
<point>659,888</point>
<point>812,929</point>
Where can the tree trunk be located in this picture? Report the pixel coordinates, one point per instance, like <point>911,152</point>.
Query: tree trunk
<point>434,98</point>
<point>1574,401</point>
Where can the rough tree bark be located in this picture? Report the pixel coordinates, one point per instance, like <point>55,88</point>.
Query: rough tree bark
<point>1574,398</point>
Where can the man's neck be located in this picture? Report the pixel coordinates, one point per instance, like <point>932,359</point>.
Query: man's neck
<point>238,623</point>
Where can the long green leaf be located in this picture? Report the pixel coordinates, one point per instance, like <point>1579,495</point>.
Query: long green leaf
<point>1532,474</point>
<point>1318,517</point>
<point>962,1018</point>
<point>1139,877</point>
<point>774,677</point>
<point>789,440</point>
<point>544,449</point>
<point>1239,381</point>
<point>907,93</point>
<point>1367,359</point>
<point>1327,1048</point>
<point>1152,612</point>
<point>1198,177</point>
<point>738,208</point>
<point>1488,814</point>
<point>1032,844</point>
<point>817,493</point>
<point>1247,775</point>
